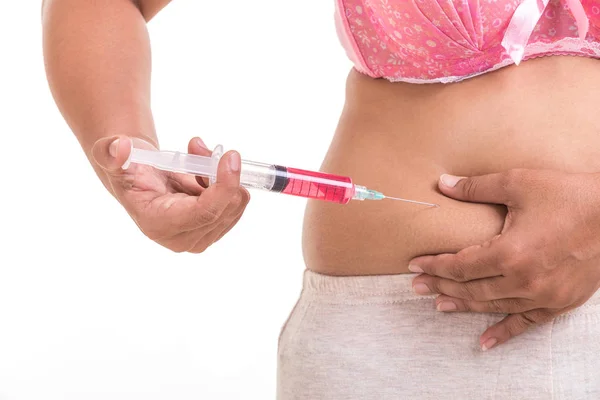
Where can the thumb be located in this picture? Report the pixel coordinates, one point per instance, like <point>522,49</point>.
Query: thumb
<point>489,188</point>
<point>112,153</point>
<point>228,171</point>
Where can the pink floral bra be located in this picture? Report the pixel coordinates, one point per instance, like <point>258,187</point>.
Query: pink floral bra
<point>423,41</point>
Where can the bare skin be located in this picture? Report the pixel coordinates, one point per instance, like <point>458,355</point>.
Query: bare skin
<point>397,138</point>
<point>97,56</point>
<point>518,235</point>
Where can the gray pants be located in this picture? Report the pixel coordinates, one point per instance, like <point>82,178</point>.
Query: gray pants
<point>371,338</point>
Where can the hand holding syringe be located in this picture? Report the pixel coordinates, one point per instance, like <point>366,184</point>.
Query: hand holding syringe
<point>273,178</point>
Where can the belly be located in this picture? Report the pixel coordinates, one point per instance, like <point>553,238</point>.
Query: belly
<point>399,138</point>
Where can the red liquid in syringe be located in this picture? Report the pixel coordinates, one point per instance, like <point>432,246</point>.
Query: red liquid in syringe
<point>317,185</point>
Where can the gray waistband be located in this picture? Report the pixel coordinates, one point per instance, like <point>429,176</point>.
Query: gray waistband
<point>375,289</point>
<point>362,289</point>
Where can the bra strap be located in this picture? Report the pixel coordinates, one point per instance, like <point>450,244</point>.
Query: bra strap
<point>526,17</point>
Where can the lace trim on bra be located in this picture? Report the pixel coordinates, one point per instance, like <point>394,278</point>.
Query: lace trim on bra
<point>565,46</point>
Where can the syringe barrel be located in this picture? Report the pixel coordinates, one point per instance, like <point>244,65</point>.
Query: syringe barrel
<point>274,178</point>
<point>319,185</point>
<point>297,182</point>
<point>262,176</point>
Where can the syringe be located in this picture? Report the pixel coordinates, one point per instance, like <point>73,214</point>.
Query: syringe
<point>273,178</point>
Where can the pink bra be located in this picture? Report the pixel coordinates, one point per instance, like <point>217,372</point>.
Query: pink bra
<point>423,41</point>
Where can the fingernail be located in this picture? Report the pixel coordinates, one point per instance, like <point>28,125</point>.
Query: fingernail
<point>446,306</point>
<point>421,288</point>
<point>234,162</point>
<point>112,149</point>
<point>201,143</point>
<point>415,269</point>
<point>491,342</point>
<point>450,180</point>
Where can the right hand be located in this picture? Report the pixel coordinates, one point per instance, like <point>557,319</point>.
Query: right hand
<point>180,212</point>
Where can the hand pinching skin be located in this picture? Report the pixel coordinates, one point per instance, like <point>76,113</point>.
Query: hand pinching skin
<point>545,262</point>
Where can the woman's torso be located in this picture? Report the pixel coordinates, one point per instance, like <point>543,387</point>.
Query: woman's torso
<point>399,138</point>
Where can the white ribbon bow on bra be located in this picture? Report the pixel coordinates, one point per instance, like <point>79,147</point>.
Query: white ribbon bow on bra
<point>526,17</point>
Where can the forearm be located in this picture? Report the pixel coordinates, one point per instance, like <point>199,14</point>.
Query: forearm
<point>98,64</point>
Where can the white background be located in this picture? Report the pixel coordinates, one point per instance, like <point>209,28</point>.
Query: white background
<point>92,309</point>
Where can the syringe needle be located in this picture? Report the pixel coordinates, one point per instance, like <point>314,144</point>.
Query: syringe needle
<point>411,201</point>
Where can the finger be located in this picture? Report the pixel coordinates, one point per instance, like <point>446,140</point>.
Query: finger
<point>197,240</point>
<point>190,240</point>
<point>491,188</point>
<point>474,262</point>
<point>184,183</point>
<point>214,236</point>
<point>197,146</point>
<point>178,216</point>
<point>207,239</point>
<point>111,153</point>
<point>503,306</point>
<point>514,325</point>
<point>208,207</point>
<point>228,228</point>
<point>240,212</point>
<point>187,241</point>
<point>480,290</point>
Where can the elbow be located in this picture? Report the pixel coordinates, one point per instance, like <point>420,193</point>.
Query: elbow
<point>149,8</point>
